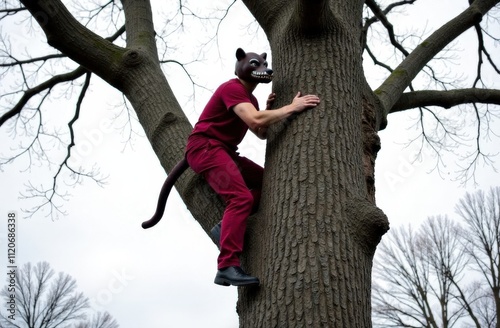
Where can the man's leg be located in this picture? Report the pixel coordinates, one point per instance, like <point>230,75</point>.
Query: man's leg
<point>224,176</point>
<point>227,181</point>
<point>252,173</point>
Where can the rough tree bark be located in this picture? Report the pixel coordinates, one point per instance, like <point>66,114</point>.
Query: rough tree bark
<point>313,240</point>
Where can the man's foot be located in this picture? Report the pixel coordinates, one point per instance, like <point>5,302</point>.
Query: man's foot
<point>215,232</point>
<point>235,276</point>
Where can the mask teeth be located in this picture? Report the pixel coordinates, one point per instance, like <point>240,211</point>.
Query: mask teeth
<point>262,75</point>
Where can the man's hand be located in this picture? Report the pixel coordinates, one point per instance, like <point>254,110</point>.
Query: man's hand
<point>270,100</point>
<point>301,103</point>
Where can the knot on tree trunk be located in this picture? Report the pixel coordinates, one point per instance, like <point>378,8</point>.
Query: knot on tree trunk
<point>132,58</point>
<point>367,222</point>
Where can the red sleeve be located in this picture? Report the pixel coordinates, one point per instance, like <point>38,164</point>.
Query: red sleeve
<point>235,93</point>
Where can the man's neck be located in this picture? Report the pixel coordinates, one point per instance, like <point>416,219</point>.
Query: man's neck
<point>248,85</point>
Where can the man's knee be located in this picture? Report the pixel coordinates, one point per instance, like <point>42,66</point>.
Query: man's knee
<point>245,199</point>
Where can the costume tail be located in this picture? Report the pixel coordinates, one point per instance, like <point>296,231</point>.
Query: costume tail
<point>165,191</point>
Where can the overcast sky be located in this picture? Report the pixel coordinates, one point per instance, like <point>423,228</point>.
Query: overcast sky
<point>163,277</point>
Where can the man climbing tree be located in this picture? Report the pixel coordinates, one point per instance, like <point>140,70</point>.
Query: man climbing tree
<point>318,225</point>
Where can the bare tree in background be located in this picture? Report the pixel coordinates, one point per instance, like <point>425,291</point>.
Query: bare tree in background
<point>46,300</point>
<point>412,273</point>
<point>318,223</point>
<point>428,277</point>
<point>481,213</point>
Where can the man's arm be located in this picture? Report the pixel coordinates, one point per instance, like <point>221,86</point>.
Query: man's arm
<point>258,121</point>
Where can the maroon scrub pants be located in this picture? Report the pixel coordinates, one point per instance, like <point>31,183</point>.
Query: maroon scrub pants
<point>238,181</point>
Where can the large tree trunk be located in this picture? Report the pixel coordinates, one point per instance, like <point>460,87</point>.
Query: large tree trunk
<point>313,240</point>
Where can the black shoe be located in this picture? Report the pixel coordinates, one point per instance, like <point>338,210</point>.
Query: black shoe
<point>235,276</point>
<point>215,232</point>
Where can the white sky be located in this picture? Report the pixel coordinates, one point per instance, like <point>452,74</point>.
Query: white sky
<point>163,277</point>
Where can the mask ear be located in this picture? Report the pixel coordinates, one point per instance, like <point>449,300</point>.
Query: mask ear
<point>264,55</point>
<point>240,54</point>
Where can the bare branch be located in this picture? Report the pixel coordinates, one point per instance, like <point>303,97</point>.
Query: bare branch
<point>393,87</point>
<point>48,195</point>
<point>92,51</point>
<point>376,61</point>
<point>31,60</point>
<point>50,83</point>
<point>10,11</point>
<point>446,98</point>
<point>441,133</point>
<point>385,12</point>
<point>381,15</point>
<point>45,86</point>
<point>399,51</point>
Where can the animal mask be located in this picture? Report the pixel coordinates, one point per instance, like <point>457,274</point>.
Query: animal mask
<point>252,67</point>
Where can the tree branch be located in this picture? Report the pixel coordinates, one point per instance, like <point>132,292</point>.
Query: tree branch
<point>32,60</point>
<point>392,88</point>
<point>381,15</point>
<point>139,26</point>
<point>48,195</point>
<point>10,11</point>
<point>371,3</point>
<point>88,49</point>
<point>47,85</point>
<point>50,83</point>
<point>446,99</point>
